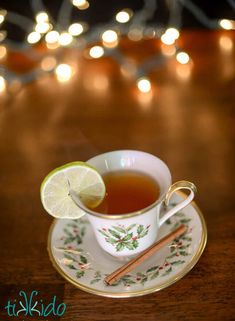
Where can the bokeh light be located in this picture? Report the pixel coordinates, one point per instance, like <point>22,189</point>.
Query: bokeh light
<point>167,39</point>
<point>135,34</point>
<point>52,37</point>
<point>2,15</point>
<point>42,17</point>
<point>63,72</point>
<point>227,24</point>
<point>96,52</point>
<point>33,37</point>
<point>124,15</point>
<point>173,32</point>
<point>43,27</point>
<point>226,43</point>
<point>3,52</point>
<point>81,4</point>
<point>48,63</point>
<point>65,39</point>
<point>2,84</point>
<point>3,35</point>
<point>168,50</point>
<point>76,29</point>
<point>170,35</point>
<point>182,57</point>
<point>110,38</point>
<point>144,85</point>
<point>184,71</point>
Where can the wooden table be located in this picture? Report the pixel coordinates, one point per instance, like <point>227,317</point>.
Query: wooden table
<point>188,121</point>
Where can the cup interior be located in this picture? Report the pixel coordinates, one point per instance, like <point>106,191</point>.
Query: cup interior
<point>134,160</point>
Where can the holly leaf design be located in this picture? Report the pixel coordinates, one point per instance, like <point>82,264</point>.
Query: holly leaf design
<point>127,237</point>
<point>145,232</point>
<point>97,274</point>
<point>103,233</point>
<point>177,224</point>
<point>72,225</point>
<point>95,281</point>
<point>83,231</point>
<point>119,229</point>
<point>183,253</point>
<point>120,247</point>
<point>168,221</point>
<point>67,232</point>
<point>129,281</point>
<point>83,259</point>
<point>167,271</point>
<point>177,262</point>
<point>130,246</point>
<point>185,220</point>
<point>114,234</point>
<point>69,240</point>
<point>135,244</point>
<point>153,268</point>
<point>183,247</point>
<point>75,235</point>
<point>71,267</point>
<point>117,282</point>
<point>119,234</point>
<point>111,240</point>
<point>67,256</point>
<point>154,275</point>
<point>78,239</point>
<point>140,229</point>
<point>145,279</point>
<point>79,274</point>
<point>172,255</point>
<point>130,227</point>
<point>179,214</point>
<point>187,238</point>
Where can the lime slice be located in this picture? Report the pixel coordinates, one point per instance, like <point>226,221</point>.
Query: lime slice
<point>78,177</point>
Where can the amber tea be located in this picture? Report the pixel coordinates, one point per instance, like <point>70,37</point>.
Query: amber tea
<point>128,191</point>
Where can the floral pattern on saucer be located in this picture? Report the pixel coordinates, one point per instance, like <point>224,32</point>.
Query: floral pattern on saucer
<point>78,255</point>
<point>76,259</point>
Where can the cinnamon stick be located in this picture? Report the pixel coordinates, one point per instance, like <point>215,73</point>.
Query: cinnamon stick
<point>123,270</point>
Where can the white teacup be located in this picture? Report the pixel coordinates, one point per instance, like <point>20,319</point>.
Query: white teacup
<point>142,225</point>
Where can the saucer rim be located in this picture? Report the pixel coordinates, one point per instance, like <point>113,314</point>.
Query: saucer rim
<point>156,288</point>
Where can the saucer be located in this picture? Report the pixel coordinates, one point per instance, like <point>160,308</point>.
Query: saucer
<point>76,255</point>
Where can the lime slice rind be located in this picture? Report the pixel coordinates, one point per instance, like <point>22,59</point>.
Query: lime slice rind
<point>82,178</point>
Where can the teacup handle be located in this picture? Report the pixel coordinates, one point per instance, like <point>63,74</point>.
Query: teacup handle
<point>173,188</point>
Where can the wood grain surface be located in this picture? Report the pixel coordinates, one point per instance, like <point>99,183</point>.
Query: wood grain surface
<point>188,121</point>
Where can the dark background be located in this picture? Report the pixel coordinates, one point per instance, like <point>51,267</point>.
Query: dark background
<point>189,123</point>
<point>104,10</point>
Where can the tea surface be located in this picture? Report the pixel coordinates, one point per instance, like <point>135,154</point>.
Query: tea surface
<point>128,191</point>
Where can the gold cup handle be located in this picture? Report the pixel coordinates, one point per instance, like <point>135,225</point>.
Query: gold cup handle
<point>173,188</point>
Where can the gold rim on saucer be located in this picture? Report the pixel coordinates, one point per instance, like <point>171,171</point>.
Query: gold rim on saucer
<point>156,288</point>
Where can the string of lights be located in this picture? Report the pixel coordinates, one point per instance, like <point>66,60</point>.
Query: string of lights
<point>97,41</point>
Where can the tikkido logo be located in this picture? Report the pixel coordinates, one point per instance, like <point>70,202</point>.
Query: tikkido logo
<point>33,306</point>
